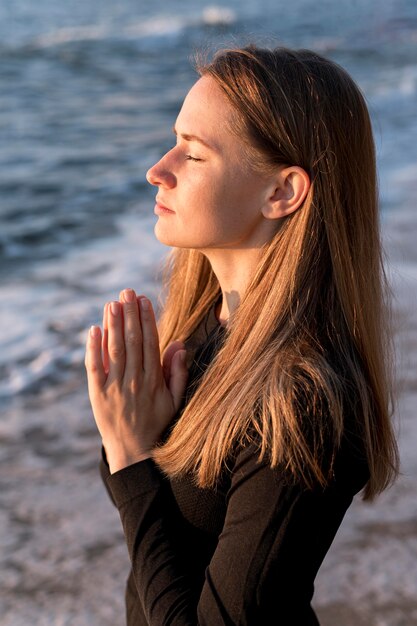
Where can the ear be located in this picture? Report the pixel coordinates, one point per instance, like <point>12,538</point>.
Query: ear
<point>290,188</point>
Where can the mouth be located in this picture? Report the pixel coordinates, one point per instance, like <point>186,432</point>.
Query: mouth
<point>161,208</point>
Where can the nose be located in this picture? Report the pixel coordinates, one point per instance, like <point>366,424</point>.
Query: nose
<point>160,176</point>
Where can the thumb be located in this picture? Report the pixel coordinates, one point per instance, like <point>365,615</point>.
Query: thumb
<point>167,357</point>
<point>178,378</point>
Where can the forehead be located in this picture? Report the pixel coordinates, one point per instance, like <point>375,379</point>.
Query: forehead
<point>205,107</point>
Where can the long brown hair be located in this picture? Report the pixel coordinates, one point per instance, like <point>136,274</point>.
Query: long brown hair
<point>309,340</point>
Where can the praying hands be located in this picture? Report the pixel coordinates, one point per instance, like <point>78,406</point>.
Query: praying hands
<point>134,395</point>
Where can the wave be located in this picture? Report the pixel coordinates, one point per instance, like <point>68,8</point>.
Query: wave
<point>48,309</point>
<point>162,25</point>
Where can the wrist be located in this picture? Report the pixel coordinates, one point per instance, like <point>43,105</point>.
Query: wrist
<point>120,460</point>
<point>120,465</point>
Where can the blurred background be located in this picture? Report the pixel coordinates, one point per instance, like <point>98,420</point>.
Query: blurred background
<point>89,91</point>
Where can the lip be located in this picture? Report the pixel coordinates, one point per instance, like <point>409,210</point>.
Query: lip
<point>161,208</point>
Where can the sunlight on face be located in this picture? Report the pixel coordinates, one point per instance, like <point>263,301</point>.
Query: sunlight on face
<point>209,196</point>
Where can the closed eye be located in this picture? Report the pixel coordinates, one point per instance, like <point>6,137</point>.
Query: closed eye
<point>190,158</point>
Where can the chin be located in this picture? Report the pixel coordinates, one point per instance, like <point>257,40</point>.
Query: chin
<point>168,237</point>
<point>165,237</point>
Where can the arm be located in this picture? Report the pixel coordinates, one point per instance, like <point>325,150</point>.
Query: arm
<point>274,539</point>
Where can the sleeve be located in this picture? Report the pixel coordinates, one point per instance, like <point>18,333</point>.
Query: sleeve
<point>105,472</point>
<point>274,539</point>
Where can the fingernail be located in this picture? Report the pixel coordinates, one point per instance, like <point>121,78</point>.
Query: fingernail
<point>144,304</point>
<point>114,308</point>
<point>129,295</point>
<point>94,331</point>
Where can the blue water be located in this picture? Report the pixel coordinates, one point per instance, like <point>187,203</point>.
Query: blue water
<point>89,91</point>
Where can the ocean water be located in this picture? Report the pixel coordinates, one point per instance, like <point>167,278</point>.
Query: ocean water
<point>89,91</point>
<point>88,94</point>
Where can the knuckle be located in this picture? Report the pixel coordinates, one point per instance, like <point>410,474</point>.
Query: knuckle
<point>153,384</point>
<point>130,311</point>
<point>116,351</point>
<point>113,393</point>
<point>93,367</point>
<point>90,365</point>
<point>132,386</point>
<point>132,339</point>
<point>131,307</point>
<point>152,344</point>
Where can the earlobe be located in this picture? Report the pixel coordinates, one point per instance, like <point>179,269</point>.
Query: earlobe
<point>291,187</point>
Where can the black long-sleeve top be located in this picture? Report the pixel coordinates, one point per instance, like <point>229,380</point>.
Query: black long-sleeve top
<point>245,553</point>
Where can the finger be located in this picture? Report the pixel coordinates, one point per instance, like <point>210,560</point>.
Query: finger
<point>167,357</point>
<point>96,376</point>
<point>116,342</point>
<point>179,377</point>
<point>104,343</point>
<point>151,354</point>
<point>132,334</point>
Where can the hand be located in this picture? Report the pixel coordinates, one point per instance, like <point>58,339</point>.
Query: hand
<point>133,396</point>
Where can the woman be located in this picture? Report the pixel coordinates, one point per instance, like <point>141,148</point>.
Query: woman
<point>233,462</point>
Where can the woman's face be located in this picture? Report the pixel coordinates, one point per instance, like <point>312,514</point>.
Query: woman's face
<point>209,196</point>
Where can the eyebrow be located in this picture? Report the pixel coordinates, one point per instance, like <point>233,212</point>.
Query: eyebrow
<point>189,137</point>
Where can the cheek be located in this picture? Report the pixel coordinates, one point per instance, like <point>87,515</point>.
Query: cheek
<point>241,200</point>
<point>219,197</point>
<point>203,195</point>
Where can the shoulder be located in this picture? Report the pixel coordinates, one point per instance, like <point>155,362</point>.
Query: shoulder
<point>350,471</point>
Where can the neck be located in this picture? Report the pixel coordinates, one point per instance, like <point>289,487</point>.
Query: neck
<point>233,270</point>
